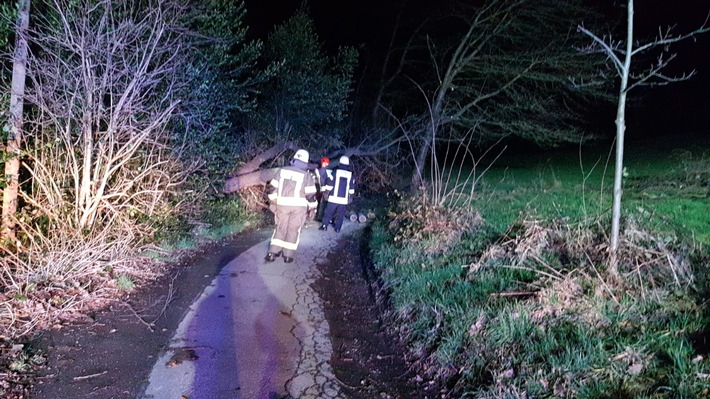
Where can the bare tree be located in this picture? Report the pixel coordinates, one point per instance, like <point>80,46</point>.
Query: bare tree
<point>14,142</point>
<point>107,147</point>
<point>622,54</point>
<point>106,80</point>
<point>502,80</point>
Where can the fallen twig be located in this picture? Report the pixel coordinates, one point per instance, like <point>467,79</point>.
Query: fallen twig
<point>168,300</point>
<point>147,324</point>
<point>86,377</point>
<point>517,293</point>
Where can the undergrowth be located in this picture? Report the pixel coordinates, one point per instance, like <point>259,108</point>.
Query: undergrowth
<point>524,306</point>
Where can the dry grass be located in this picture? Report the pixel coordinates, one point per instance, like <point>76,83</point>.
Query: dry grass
<point>437,228</point>
<point>647,259</point>
<point>63,277</point>
<point>653,261</point>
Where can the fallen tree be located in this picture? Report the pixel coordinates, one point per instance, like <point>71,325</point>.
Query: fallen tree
<point>249,175</point>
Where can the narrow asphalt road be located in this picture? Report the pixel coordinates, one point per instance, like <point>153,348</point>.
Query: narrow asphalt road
<point>258,331</point>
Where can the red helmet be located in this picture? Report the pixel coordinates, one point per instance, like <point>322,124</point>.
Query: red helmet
<point>325,160</point>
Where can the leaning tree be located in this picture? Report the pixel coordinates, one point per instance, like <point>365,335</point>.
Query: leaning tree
<point>505,71</point>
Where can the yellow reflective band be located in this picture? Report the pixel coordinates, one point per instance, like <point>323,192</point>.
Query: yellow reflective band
<point>284,244</point>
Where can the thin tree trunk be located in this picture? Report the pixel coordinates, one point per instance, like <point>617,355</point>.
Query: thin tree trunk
<point>620,131</point>
<point>419,162</point>
<point>87,183</point>
<point>14,141</point>
<point>430,135</point>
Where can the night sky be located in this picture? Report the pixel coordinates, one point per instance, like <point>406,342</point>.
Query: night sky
<point>683,106</point>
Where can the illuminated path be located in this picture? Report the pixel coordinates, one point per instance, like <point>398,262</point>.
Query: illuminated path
<point>258,331</point>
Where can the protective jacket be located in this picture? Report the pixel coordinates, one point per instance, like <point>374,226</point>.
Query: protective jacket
<point>293,186</point>
<point>341,185</point>
<point>293,192</point>
<point>322,176</point>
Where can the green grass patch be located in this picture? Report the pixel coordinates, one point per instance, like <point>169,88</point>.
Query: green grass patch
<point>522,304</point>
<point>220,217</point>
<point>125,283</point>
<point>670,185</point>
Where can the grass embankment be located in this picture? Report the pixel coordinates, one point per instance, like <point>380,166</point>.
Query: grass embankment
<point>514,297</point>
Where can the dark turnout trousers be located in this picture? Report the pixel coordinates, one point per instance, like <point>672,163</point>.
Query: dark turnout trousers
<point>334,213</point>
<point>289,220</point>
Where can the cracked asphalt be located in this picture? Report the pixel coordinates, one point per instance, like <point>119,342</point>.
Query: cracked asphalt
<point>258,331</point>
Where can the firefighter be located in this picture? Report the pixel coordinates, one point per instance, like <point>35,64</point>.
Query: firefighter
<point>322,176</point>
<point>340,187</point>
<point>292,191</point>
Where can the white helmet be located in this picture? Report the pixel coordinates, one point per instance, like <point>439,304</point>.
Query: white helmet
<point>301,155</point>
<point>344,160</point>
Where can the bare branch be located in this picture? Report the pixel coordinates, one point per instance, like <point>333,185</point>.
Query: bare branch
<point>609,49</point>
<point>106,82</point>
<point>665,38</point>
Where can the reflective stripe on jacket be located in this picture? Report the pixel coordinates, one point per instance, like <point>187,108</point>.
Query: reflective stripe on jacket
<point>322,176</point>
<point>341,186</point>
<point>292,186</point>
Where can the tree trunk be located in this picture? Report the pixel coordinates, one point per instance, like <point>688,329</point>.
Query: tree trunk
<point>14,141</point>
<point>86,197</point>
<point>419,163</point>
<point>249,175</point>
<point>620,131</point>
<point>246,180</point>
<point>271,153</point>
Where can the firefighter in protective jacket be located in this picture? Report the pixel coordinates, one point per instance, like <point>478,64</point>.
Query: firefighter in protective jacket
<point>322,175</point>
<point>292,192</point>
<point>341,186</point>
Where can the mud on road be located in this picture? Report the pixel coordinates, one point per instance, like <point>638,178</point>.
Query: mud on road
<point>368,358</point>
